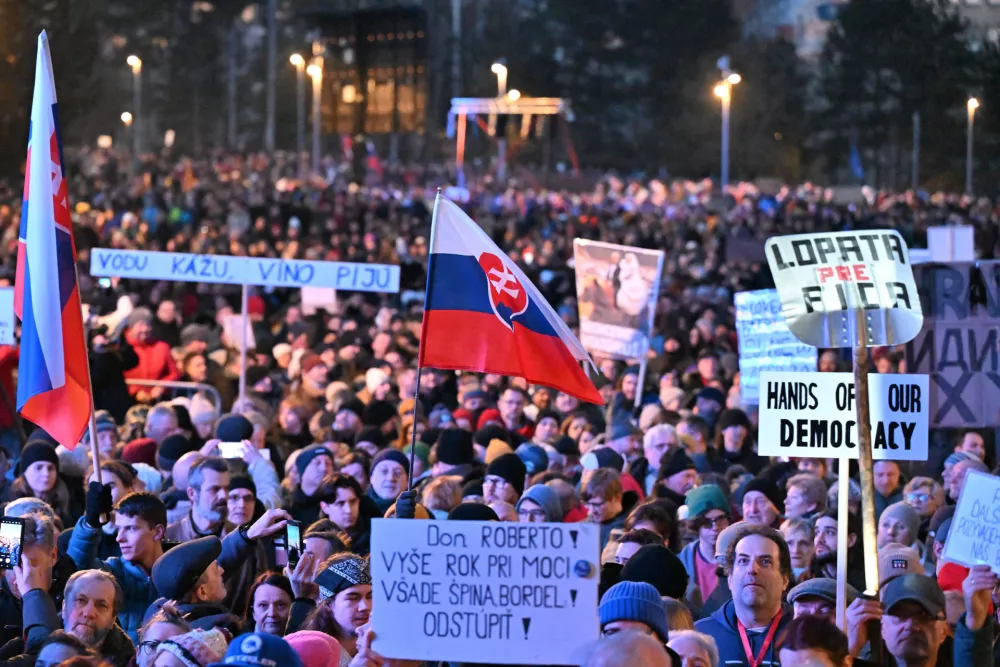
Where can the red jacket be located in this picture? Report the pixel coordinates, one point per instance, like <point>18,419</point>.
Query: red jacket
<point>8,362</point>
<point>155,363</point>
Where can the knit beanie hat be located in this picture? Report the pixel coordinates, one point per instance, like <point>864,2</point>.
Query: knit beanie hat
<point>141,450</point>
<point>454,447</point>
<point>172,448</point>
<point>496,449</point>
<point>243,482</point>
<point>377,413</point>
<point>423,452</point>
<point>259,649</point>
<point>315,649</point>
<point>375,378</point>
<point>675,462</point>
<point>895,559</point>
<point>906,514</point>
<point>635,601</point>
<point>547,414</point>
<point>306,456</point>
<point>567,446</point>
<point>473,488</point>
<point>534,458</point>
<point>733,417</point>
<point>603,457</point>
<point>473,512</point>
<point>956,457</point>
<point>197,648</point>
<point>769,489</point>
<point>177,571</point>
<point>486,434</point>
<point>36,451</point>
<point>393,455</point>
<point>511,468</point>
<point>657,565</point>
<point>234,428</point>
<point>487,417</point>
<point>371,434</point>
<point>702,499</point>
<point>545,498</point>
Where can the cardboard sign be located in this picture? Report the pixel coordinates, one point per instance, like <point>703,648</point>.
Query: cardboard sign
<point>231,325</point>
<point>954,243</point>
<point>315,299</point>
<point>7,316</point>
<point>974,536</point>
<point>813,415</point>
<point>765,343</point>
<point>826,280</point>
<point>616,292</point>
<point>483,591</point>
<point>959,344</point>
<point>229,270</point>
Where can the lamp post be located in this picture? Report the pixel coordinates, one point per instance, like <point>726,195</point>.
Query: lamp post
<point>500,70</point>
<point>136,64</point>
<point>300,107</point>
<point>127,121</point>
<point>971,105</point>
<point>724,91</point>
<point>315,71</point>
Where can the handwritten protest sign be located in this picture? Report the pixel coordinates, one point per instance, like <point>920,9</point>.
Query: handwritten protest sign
<point>229,270</point>
<point>6,316</point>
<point>813,415</point>
<point>974,536</point>
<point>958,344</point>
<point>765,343</point>
<point>482,591</point>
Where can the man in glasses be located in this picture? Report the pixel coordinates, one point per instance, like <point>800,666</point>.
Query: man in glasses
<point>708,514</point>
<point>505,477</point>
<point>603,497</point>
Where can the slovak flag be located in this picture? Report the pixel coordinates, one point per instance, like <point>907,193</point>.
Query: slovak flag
<point>482,314</point>
<point>53,380</point>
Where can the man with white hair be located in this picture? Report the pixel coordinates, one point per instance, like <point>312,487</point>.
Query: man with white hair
<point>161,422</point>
<point>625,649</point>
<point>655,443</point>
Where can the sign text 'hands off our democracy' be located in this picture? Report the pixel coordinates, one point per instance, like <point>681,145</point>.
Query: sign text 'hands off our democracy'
<point>232,270</point>
<point>825,280</point>
<point>814,415</point>
<point>518,593</point>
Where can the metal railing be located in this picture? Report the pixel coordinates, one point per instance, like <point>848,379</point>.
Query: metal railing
<point>177,386</point>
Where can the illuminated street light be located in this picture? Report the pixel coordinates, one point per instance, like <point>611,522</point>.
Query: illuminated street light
<point>971,106</point>
<point>514,95</point>
<point>500,70</point>
<point>127,118</point>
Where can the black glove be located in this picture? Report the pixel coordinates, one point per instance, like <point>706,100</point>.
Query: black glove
<point>98,504</point>
<point>406,505</point>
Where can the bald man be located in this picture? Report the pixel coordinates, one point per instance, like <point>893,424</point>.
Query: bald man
<point>176,498</point>
<point>627,649</point>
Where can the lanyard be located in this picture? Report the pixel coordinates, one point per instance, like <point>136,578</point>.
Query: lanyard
<point>748,650</point>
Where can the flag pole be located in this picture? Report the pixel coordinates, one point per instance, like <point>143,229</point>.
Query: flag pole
<point>244,323</point>
<point>416,398</point>
<point>94,452</point>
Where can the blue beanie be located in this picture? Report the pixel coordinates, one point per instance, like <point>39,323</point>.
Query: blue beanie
<point>306,456</point>
<point>635,601</point>
<point>393,455</point>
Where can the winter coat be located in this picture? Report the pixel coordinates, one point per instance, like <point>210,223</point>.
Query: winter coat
<point>185,531</point>
<point>107,372</point>
<point>106,548</point>
<point>155,363</point>
<point>722,627</point>
<point>135,582</point>
<point>304,509</point>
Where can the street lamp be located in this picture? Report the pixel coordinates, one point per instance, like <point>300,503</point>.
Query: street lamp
<point>127,119</point>
<point>135,63</point>
<point>724,91</point>
<point>971,105</point>
<point>500,70</point>
<point>514,95</point>
<point>300,106</point>
<point>315,71</point>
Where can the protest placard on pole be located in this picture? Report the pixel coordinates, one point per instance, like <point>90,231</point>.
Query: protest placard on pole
<point>765,343</point>
<point>7,316</point>
<point>855,290</point>
<point>974,536</point>
<point>475,591</point>
<point>617,288</point>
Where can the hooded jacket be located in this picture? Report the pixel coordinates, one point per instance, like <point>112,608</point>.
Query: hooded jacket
<point>721,626</point>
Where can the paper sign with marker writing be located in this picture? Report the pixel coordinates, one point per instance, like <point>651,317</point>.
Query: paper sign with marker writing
<point>830,282</point>
<point>229,270</point>
<point>6,315</point>
<point>765,343</point>
<point>974,536</point>
<point>483,591</point>
<point>813,415</point>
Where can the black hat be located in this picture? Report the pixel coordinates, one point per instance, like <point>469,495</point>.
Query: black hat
<point>769,489</point>
<point>429,436</point>
<point>603,457</point>
<point>918,588</point>
<point>733,417</point>
<point>242,481</point>
<point>657,565</point>
<point>234,428</point>
<point>306,456</point>
<point>490,432</point>
<point>474,487</point>
<point>172,448</point>
<point>454,447</point>
<point>567,446</point>
<point>675,462</point>
<point>371,434</point>
<point>473,512</point>
<point>183,418</point>
<point>547,414</point>
<point>35,451</point>
<point>177,571</point>
<point>349,338</point>
<point>255,374</point>
<point>393,455</point>
<point>355,405</point>
<point>712,394</point>
<point>378,413</point>
<point>511,468</point>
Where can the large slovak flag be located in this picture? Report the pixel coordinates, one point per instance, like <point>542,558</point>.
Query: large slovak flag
<point>53,380</point>
<point>482,314</point>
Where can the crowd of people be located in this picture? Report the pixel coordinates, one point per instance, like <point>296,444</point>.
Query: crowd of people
<point>173,552</point>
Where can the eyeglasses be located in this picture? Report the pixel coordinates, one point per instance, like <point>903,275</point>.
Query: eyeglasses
<point>148,647</point>
<point>917,497</point>
<point>717,522</point>
<point>531,515</point>
<point>498,482</point>
<point>595,505</point>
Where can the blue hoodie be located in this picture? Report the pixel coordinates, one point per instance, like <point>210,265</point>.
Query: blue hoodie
<point>721,625</point>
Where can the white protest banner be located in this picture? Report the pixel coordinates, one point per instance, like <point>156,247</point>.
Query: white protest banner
<point>315,299</point>
<point>483,591</point>
<point>813,415</point>
<point>6,315</point>
<point>974,536</point>
<point>765,343</point>
<point>230,270</point>
<point>231,329</point>
<point>616,292</point>
<point>825,280</point>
